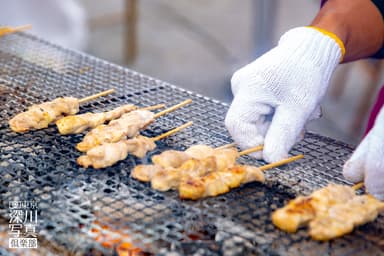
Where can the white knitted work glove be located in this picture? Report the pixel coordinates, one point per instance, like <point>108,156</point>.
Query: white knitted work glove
<point>275,95</point>
<point>367,162</point>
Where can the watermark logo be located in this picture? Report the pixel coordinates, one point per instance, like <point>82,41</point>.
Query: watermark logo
<point>23,224</point>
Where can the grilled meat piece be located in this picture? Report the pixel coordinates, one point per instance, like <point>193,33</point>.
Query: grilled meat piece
<point>170,159</point>
<point>145,172</point>
<point>127,126</point>
<point>41,115</point>
<point>225,158</point>
<point>298,212</point>
<point>199,151</point>
<point>169,178</point>
<point>341,219</point>
<point>110,153</point>
<point>218,182</point>
<point>78,123</point>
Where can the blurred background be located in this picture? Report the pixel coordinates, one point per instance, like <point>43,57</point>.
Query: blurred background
<point>198,44</point>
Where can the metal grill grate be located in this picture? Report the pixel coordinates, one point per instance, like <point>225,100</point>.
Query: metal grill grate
<point>73,202</point>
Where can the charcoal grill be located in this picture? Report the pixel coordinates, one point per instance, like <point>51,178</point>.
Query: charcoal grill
<point>74,202</point>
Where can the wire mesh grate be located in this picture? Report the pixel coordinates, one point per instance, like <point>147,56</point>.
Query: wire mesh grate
<point>78,207</point>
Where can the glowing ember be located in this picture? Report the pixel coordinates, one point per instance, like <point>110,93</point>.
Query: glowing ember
<point>110,238</point>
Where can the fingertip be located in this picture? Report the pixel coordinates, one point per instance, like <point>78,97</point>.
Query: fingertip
<point>353,171</point>
<point>272,155</point>
<point>374,182</point>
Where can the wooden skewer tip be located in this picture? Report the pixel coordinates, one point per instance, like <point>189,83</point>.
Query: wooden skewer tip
<point>173,108</point>
<point>95,96</point>
<point>251,150</point>
<point>154,107</point>
<point>281,162</point>
<point>230,145</point>
<point>358,186</point>
<point>21,28</point>
<point>171,132</point>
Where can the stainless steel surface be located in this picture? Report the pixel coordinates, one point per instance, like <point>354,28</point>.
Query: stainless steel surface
<point>41,165</point>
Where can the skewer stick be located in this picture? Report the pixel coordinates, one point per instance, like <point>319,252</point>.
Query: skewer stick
<point>281,162</point>
<point>7,30</point>
<point>173,108</point>
<point>21,28</point>
<point>251,150</point>
<point>226,146</point>
<point>358,186</point>
<point>95,96</point>
<point>153,107</point>
<point>181,127</point>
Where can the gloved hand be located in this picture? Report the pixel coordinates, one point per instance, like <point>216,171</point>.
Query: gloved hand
<point>275,95</point>
<point>367,162</point>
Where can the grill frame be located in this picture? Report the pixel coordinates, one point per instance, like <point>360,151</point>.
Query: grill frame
<point>40,165</point>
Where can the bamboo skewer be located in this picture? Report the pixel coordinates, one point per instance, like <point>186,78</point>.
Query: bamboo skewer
<point>169,133</point>
<point>95,96</point>
<point>357,186</point>
<point>8,30</point>
<point>251,150</point>
<point>21,28</point>
<point>173,108</point>
<point>227,146</point>
<point>153,107</point>
<point>281,162</point>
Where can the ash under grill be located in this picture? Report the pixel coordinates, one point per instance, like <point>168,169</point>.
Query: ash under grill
<point>80,209</point>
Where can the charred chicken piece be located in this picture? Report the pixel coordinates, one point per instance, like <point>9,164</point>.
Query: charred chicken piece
<point>341,219</point>
<point>78,123</point>
<point>145,172</point>
<point>127,126</point>
<point>219,182</point>
<point>300,211</point>
<point>169,178</point>
<point>41,115</point>
<point>110,153</point>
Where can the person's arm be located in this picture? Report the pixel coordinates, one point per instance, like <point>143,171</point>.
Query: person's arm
<point>358,23</point>
<point>278,93</point>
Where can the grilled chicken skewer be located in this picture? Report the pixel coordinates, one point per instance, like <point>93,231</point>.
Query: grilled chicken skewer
<point>219,182</point>
<point>222,181</point>
<point>127,126</point>
<point>78,123</point>
<point>226,157</point>
<point>301,210</point>
<point>41,115</point>
<point>219,160</point>
<point>206,174</point>
<point>110,153</point>
<point>169,160</point>
<point>342,218</point>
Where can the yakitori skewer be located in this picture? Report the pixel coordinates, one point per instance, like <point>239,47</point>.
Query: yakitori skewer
<point>219,182</point>
<point>342,218</point>
<point>127,126</point>
<point>202,172</point>
<point>304,209</point>
<point>108,154</point>
<point>8,30</point>
<point>168,160</point>
<point>78,123</point>
<point>41,115</point>
<point>197,161</point>
<point>330,212</point>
